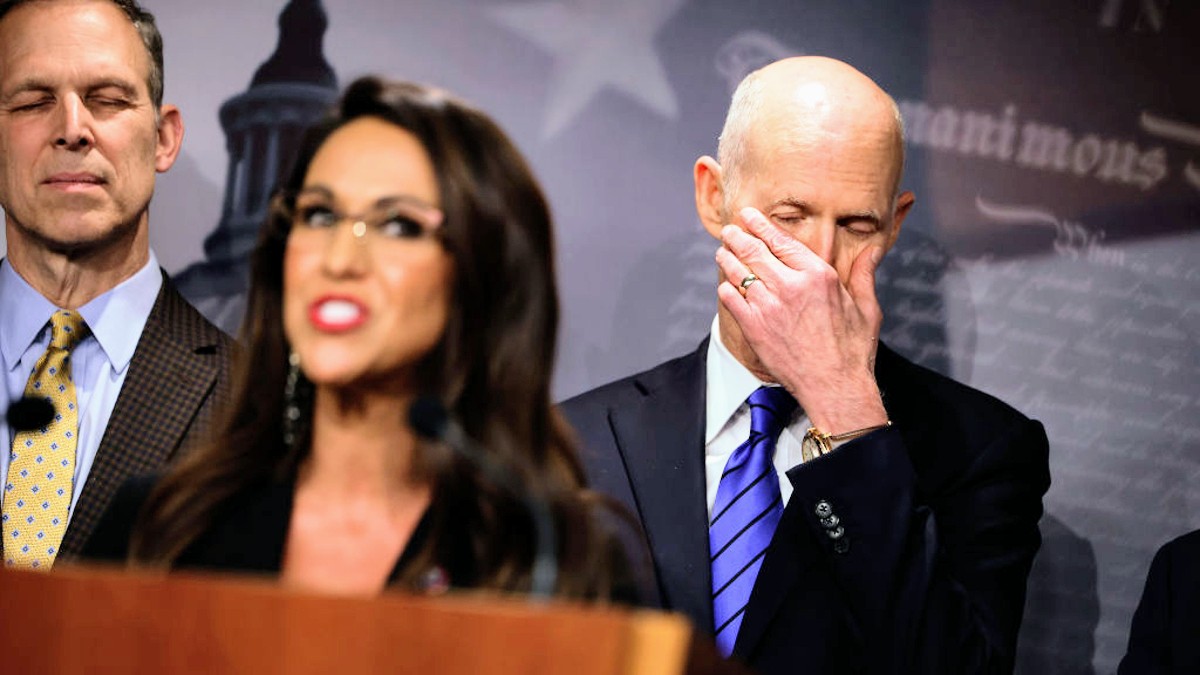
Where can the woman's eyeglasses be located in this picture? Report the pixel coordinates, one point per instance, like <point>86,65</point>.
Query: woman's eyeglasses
<point>390,219</point>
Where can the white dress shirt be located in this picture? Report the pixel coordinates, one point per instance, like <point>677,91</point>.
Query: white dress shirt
<point>99,362</point>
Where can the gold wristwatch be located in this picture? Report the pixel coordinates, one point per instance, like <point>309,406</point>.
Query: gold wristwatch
<point>817,442</point>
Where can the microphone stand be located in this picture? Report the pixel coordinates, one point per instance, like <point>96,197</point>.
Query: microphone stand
<point>430,419</point>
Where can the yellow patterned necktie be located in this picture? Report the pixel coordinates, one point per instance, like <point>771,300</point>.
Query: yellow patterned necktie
<point>37,494</point>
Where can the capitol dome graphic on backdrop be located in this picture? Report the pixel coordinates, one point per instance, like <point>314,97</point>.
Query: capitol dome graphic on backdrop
<point>263,127</point>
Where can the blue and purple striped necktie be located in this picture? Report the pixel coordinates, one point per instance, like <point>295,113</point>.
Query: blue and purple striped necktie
<point>745,513</point>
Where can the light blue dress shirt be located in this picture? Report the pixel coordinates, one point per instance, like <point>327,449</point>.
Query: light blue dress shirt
<point>99,363</point>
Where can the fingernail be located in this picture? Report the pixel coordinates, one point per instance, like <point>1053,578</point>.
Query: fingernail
<point>876,255</point>
<point>749,213</point>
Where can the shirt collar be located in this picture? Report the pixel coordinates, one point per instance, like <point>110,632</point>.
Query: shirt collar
<point>116,317</point>
<point>727,385</point>
<point>25,314</point>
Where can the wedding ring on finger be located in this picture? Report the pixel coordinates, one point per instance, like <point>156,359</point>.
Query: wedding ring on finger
<point>747,280</point>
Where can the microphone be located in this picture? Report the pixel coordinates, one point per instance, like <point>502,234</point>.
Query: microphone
<point>432,422</point>
<point>29,413</point>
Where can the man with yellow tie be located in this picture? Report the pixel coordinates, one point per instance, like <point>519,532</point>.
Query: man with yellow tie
<point>88,320</point>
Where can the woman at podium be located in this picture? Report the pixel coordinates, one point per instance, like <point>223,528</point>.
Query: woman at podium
<point>407,257</point>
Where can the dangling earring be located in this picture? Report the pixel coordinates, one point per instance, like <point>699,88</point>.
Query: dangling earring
<point>294,402</point>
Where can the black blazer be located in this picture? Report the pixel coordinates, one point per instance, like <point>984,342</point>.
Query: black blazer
<point>1165,635</point>
<point>940,515</point>
<point>247,535</point>
<point>177,379</point>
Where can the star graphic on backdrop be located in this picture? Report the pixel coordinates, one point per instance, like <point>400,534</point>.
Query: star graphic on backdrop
<point>596,44</point>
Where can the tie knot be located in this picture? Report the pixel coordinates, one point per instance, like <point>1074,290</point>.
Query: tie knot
<point>66,329</point>
<point>770,410</point>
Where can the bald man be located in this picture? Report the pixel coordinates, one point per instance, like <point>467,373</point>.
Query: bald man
<point>814,500</point>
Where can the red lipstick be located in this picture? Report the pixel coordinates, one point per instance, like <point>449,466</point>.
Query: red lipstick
<point>337,313</point>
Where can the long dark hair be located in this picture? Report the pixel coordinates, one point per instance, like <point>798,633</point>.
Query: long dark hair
<point>491,368</point>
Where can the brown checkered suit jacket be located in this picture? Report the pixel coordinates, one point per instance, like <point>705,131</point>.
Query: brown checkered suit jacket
<point>178,376</point>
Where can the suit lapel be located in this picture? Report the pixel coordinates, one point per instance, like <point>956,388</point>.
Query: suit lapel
<point>173,370</point>
<point>661,440</point>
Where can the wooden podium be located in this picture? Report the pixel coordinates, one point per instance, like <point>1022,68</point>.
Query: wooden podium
<point>82,620</point>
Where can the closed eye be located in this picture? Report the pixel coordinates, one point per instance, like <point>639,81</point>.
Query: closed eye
<point>111,96</point>
<point>790,220</point>
<point>26,104</point>
<point>860,225</point>
<point>109,102</point>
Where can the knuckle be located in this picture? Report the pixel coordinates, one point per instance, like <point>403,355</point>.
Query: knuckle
<point>752,246</point>
<point>738,248</point>
<point>793,284</point>
<point>872,316</point>
<point>781,241</point>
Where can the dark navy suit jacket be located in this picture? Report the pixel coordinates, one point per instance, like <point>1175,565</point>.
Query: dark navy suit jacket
<point>1165,635</point>
<point>940,515</point>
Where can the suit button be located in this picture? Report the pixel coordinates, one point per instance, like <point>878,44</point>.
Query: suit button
<point>841,545</point>
<point>836,533</point>
<point>830,522</point>
<point>823,509</point>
